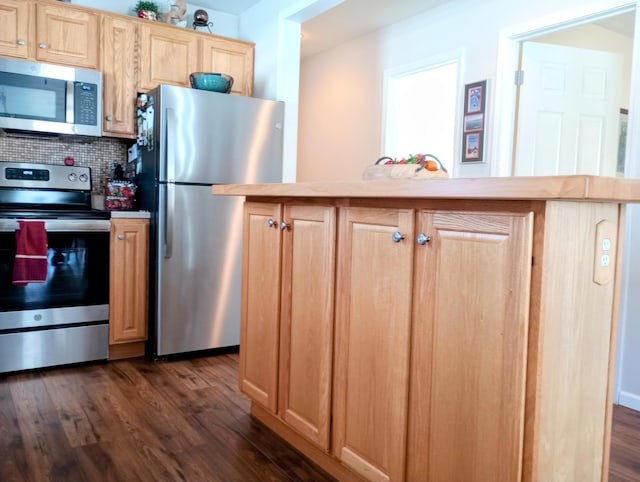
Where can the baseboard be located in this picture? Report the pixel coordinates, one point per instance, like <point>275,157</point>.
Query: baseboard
<point>629,400</point>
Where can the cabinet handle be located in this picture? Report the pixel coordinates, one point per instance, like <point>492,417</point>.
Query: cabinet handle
<point>120,236</point>
<point>398,236</point>
<point>22,42</point>
<point>272,223</point>
<point>284,225</point>
<point>109,118</point>
<point>43,45</point>
<point>423,239</point>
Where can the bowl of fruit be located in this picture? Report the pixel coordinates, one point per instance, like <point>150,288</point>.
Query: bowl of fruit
<point>415,166</point>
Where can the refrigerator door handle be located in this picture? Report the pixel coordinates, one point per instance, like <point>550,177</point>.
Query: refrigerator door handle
<point>169,212</point>
<point>169,156</point>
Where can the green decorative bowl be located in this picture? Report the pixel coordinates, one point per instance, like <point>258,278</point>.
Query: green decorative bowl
<point>213,82</point>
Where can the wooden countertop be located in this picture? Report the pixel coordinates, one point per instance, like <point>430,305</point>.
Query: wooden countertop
<point>585,188</point>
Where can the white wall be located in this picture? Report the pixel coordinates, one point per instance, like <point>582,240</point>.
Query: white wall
<point>468,25</point>
<point>223,23</point>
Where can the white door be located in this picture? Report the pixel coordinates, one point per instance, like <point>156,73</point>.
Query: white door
<point>568,111</point>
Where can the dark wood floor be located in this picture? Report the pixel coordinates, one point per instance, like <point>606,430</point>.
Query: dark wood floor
<point>138,420</point>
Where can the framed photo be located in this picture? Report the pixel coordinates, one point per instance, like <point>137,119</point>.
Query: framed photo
<point>474,95</point>
<point>473,122</point>
<point>473,147</point>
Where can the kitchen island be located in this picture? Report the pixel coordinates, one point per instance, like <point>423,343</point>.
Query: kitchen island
<point>430,330</point>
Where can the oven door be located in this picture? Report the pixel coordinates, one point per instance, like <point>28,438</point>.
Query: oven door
<point>77,274</point>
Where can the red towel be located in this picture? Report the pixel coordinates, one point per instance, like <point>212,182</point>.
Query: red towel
<point>31,254</point>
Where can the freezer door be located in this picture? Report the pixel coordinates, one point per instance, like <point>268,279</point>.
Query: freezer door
<point>208,137</point>
<point>199,270</point>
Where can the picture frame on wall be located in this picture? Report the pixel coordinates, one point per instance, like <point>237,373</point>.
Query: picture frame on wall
<point>475,97</point>
<point>473,146</point>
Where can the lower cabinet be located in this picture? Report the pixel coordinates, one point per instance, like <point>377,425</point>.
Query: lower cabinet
<point>469,346</point>
<point>128,304</point>
<point>286,347</point>
<point>430,342</point>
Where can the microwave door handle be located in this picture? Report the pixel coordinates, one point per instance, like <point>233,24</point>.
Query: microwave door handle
<point>70,102</point>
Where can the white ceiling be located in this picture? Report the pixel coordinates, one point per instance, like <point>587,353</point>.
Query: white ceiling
<point>348,20</point>
<point>353,18</point>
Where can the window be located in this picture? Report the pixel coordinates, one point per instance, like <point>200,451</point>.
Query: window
<point>420,112</point>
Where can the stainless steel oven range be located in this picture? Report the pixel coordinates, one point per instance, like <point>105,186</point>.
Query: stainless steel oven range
<point>64,319</point>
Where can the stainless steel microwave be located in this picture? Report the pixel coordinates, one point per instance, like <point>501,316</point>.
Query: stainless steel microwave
<point>50,98</point>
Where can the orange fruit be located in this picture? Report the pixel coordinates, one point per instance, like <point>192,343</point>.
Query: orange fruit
<point>431,165</point>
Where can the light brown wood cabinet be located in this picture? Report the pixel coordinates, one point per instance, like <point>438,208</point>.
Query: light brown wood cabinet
<point>234,58</point>
<point>14,34</point>
<point>67,35</point>
<point>373,328</point>
<point>475,325</point>
<point>467,374</point>
<point>128,287</point>
<point>134,55</point>
<point>50,32</point>
<point>167,55</point>
<point>119,70</point>
<point>287,328</point>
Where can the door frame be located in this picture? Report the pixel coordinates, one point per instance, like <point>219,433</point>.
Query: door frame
<point>502,138</point>
<point>509,59</point>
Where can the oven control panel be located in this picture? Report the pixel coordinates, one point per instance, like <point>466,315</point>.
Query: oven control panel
<point>44,176</point>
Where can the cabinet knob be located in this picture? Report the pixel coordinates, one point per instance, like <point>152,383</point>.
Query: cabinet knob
<point>120,236</point>
<point>284,225</point>
<point>398,236</point>
<point>22,42</point>
<point>43,45</point>
<point>423,239</point>
<point>272,223</point>
<point>109,118</point>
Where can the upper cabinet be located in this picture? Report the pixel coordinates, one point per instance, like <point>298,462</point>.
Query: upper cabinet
<point>134,55</point>
<point>60,34</point>
<point>67,35</point>
<point>14,34</point>
<point>119,75</point>
<point>232,58</point>
<point>167,55</point>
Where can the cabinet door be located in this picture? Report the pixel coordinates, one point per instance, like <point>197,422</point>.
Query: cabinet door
<point>468,359</point>
<point>14,28</point>
<point>167,55</point>
<point>67,35</point>
<point>119,76</point>
<point>259,333</point>
<point>129,280</point>
<point>306,329</point>
<point>373,311</point>
<point>230,57</point>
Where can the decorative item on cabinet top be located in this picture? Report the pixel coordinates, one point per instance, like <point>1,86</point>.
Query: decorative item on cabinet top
<point>147,9</point>
<point>418,166</point>
<point>212,81</point>
<point>177,14</point>
<point>201,19</point>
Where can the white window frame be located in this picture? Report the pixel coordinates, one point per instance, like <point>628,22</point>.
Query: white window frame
<point>429,63</point>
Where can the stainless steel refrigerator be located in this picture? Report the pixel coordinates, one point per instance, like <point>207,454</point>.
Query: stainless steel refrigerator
<point>189,140</point>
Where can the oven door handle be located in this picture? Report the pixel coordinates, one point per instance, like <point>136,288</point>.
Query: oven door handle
<point>61,225</point>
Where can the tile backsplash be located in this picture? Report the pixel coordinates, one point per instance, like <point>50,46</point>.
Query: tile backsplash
<point>96,153</point>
